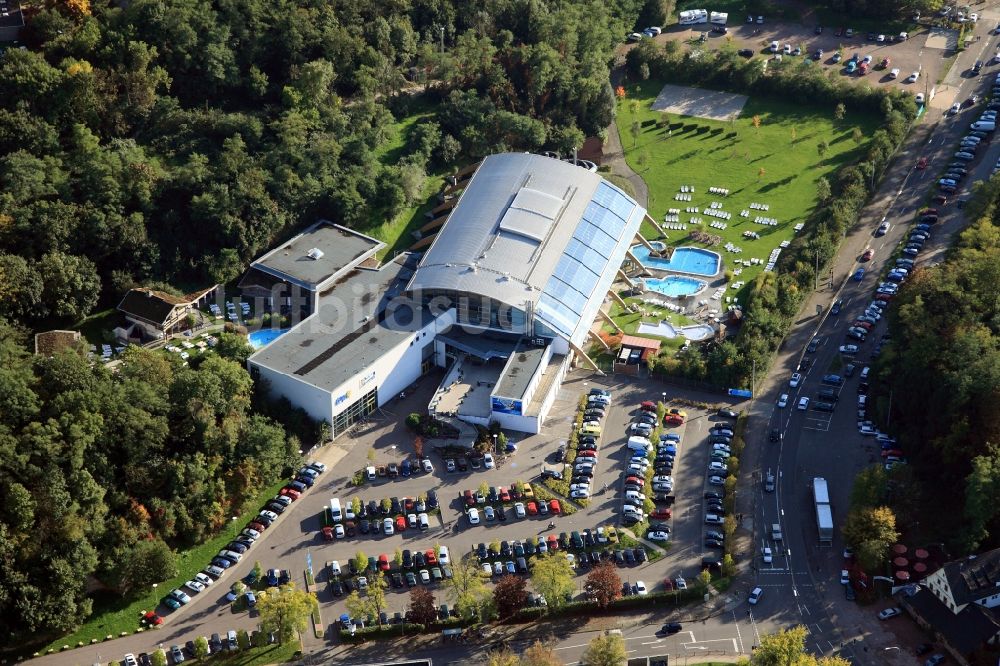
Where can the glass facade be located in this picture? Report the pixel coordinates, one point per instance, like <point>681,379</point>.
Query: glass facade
<point>358,410</point>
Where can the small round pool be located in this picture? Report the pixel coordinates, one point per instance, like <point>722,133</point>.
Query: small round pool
<point>265,336</point>
<point>675,285</point>
<point>691,260</point>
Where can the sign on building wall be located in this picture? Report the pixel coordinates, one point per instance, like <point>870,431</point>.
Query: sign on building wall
<point>368,379</point>
<point>506,405</point>
<point>342,399</point>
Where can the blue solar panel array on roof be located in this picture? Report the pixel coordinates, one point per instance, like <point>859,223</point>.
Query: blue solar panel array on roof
<point>587,255</point>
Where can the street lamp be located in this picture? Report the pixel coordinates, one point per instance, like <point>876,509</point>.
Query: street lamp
<point>235,526</point>
<point>495,445</point>
<point>664,394</point>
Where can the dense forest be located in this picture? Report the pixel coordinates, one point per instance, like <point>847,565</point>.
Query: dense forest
<point>939,385</point>
<point>103,473</point>
<point>173,140</point>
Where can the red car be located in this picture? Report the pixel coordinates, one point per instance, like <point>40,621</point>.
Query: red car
<point>922,163</point>
<point>328,534</point>
<point>928,211</point>
<point>254,525</point>
<point>867,256</point>
<point>673,420</point>
<point>554,506</point>
<point>291,492</point>
<point>863,324</point>
<point>552,542</point>
<point>648,406</point>
<point>892,452</point>
<point>383,562</point>
<point>470,499</point>
<point>431,556</point>
<point>940,199</point>
<point>663,514</point>
<point>883,297</point>
<point>532,508</point>
<point>400,523</point>
<point>152,618</point>
<point>636,480</point>
<point>504,494</point>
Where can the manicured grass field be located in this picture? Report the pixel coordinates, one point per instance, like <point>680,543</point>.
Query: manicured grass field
<point>114,615</point>
<point>777,163</point>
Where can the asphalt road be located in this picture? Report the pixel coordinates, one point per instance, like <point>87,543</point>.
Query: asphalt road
<point>803,585</point>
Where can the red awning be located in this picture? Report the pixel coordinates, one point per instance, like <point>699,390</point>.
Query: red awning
<point>900,562</point>
<point>902,575</point>
<point>922,554</point>
<point>899,549</point>
<point>639,343</point>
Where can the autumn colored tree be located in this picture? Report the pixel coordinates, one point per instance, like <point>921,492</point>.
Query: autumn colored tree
<point>509,595</point>
<point>604,583</point>
<point>538,654</point>
<point>756,122</point>
<point>422,609</point>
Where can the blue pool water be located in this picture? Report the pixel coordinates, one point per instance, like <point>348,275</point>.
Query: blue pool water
<point>265,336</point>
<point>691,260</point>
<point>675,285</point>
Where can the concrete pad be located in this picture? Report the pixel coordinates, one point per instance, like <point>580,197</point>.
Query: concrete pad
<point>699,103</point>
<point>941,38</point>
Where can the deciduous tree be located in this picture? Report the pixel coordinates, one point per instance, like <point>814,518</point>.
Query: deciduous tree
<point>552,577</point>
<point>871,531</point>
<point>605,650</point>
<point>286,611</point>
<point>509,595</point>
<point>604,583</point>
<point>422,608</point>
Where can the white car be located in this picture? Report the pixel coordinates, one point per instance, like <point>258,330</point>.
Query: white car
<point>716,466</point>
<point>519,509</point>
<point>912,78</point>
<point>574,486</point>
<point>849,350</point>
<point>488,513</point>
<point>845,577</point>
<point>894,73</point>
<point>774,47</point>
<point>680,583</point>
<point>640,588</point>
<point>755,595</point>
<point>713,519</point>
<point>194,586</point>
<point>443,556</point>
<point>721,447</point>
<point>488,461</point>
<point>803,403</point>
<point>768,556</point>
<point>795,380</point>
<point>783,400</point>
<point>335,568</point>
<point>387,527</point>
<point>919,99</point>
<point>657,536</point>
<point>955,108</point>
<point>888,613</point>
<point>473,516</point>
<point>787,50</point>
<point>203,579</point>
<point>269,514</point>
<point>426,464</point>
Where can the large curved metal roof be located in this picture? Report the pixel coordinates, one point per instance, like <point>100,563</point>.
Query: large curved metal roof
<point>530,229</point>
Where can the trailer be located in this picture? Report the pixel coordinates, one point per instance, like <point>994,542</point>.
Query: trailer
<point>824,524</point>
<point>693,16</point>
<point>821,493</point>
<point>719,18</point>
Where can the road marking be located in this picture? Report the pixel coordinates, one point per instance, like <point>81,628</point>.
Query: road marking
<point>738,634</point>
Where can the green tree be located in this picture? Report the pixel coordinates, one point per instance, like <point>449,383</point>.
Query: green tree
<point>839,111</point>
<point>200,647</point>
<point>286,611</point>
<point>158,657</point>
<point>467,590</point>
<point>871,531</point>
<point>605,650</point>
<point>857,135</point>
<point>822,147</point>
<point>553,577</point>
<point>823,191</point>
<point>147,562</point>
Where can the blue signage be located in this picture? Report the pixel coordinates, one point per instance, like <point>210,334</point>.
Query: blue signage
<point>342,399</point>
<point>740,393</point>
<point>505,405</point>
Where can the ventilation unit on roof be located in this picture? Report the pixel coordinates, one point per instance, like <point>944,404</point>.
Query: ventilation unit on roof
<point>315,254</point>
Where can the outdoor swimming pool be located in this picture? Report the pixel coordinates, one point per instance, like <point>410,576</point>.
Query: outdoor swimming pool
<point>265,336</point>
<point>692,260</point>
<point>674,285</point>
<point>665,329</point>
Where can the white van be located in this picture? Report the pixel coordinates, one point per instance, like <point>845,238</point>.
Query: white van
<point>336,514</point>
<point>983,126</point>
<point>639,444</point>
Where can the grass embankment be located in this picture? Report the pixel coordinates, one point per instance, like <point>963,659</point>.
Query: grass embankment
<point>777,163</point>
<point>114,615</point>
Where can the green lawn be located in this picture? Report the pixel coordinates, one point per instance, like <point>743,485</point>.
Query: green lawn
<point>98,327</point>
<point>765,165</point>
<point>113,615</point>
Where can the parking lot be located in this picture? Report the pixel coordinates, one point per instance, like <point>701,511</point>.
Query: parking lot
<point>923,52</point>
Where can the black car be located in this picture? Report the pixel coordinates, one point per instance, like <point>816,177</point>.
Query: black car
<point>746,53</point>
<point>336,588</point>
<point>711,564</point>
<point>640,555</point>
<point>215,644</point>
<point>727,413</point>
<point>775,435</point>
<point>714,494</point>
<point>670,628</point>
<point>277,507</point>
<point>501,513</point>
<point>144,659</point>
<point>714,543</point>
<point>305,480</point>
<point>397,580</point>
<point>419,560</point>
<point>395,508</point>
<point>813,345</point>
<point>432,499</point>
<point>237,546</point>
<point>835,310</point>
